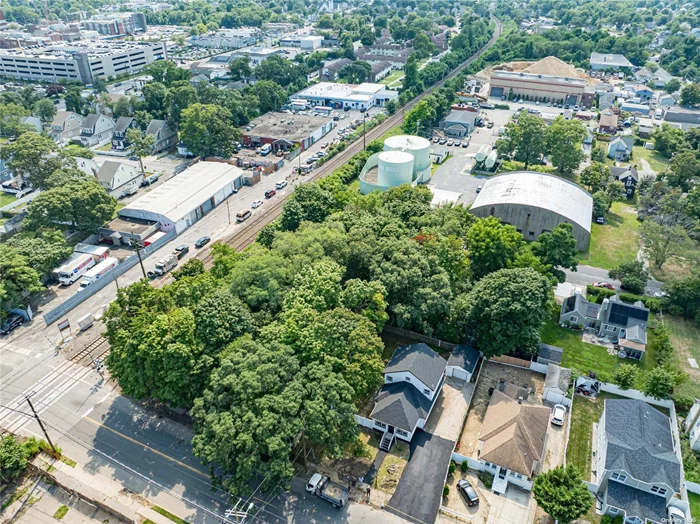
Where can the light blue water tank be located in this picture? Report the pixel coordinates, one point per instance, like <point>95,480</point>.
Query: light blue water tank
<point>395,168</point>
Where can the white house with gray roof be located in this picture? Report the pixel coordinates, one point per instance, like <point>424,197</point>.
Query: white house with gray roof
<point>637,470</point>
<point>413,379</point>
<point>119,179</point>
<point>97,129</point>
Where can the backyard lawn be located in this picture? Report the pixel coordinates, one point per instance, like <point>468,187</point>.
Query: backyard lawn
<point>694,505</point>
<point>656,160</point>
<point>583,357</point>
<point>685,337</point>
<point>614,242</point>
<point>395,75</point>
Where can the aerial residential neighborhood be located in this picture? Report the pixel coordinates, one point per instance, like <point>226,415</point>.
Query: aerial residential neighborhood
<point>345,261</point>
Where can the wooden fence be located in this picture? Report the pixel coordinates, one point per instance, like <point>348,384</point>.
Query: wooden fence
<point>512,361</point>
<point>419,338</point>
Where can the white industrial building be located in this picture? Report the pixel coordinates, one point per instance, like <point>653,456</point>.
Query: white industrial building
<point>340,96</point>
<point>187,197</point>
<point>228,38</point>
<point>79,61</point>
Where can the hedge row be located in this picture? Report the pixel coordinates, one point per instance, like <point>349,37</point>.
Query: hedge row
<point>597,294</point>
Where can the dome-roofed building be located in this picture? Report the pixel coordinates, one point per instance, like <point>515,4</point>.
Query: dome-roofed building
<point>536,203</point>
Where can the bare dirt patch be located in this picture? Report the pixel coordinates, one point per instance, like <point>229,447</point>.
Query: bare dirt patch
<point>358,457</point>
<point>491,373</point>
<point>392,468</point>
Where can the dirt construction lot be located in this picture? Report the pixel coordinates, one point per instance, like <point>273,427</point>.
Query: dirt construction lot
<point>491,373</point>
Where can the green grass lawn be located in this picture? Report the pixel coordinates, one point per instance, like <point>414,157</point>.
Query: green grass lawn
<point>657,161</point>
<point>513,165</point>
<point>685,337</point>
<point>583,357</point>
<point>694,505</point>
<point>6,198</point>
<point>392,77</point>
<point>106,147</point>
<point>614,242</point>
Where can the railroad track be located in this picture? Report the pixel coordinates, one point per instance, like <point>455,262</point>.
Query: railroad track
<point>98,348</point>
<point>240,240</point>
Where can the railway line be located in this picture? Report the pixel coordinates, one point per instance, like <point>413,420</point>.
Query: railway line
<point>240,240</point>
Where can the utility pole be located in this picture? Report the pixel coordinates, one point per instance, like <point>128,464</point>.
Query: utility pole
<point>41,425</point>
<point>138,253</point>
<point>364,131</point>
<point>228,210</point>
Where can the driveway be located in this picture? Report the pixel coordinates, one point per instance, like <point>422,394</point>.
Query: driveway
<point>419,494</point>
<point>450,410</point>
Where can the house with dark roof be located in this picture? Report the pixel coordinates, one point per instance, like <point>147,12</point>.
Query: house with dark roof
<point>413,379</point>
<point>119,179</point>
<point>462,362</point>
<point>513,438</point>
<point>629,177</point>
<point>637,469</point>
<point>123,124</point>
<point>613,318</point>
<point>165,136</point>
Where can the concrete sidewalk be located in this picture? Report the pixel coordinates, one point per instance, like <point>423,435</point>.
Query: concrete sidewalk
<point>98,490</point>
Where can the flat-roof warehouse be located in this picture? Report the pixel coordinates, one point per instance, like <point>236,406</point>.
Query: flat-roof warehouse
<point>187,197</point>
<point>283,130</point>
<point>340,96</point>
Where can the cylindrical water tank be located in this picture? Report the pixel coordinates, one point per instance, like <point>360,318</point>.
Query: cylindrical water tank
<point>483,152</point>
<point>418,146</point>
<point>395,168</point>
<point>491,159</point>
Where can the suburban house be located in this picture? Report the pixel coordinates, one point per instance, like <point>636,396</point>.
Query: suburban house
<point>621,147</point>
<point>123,124</point>
<point>637,470</point>
<point>95,130</point>
<point>330,69</point>
<point>513,437</point>
<point>413,379</point>
<point>119,179</point>
<point>667,100</point>
<point>459,123</point>
<point>608,123</point>
<point>33,121</point>
<point>629,176</point>
<point>643,75</point>
<point>165,136</point>
<point>642,92</point>
<point>605,100</point>
<point>66,125</point>
<point>613,318</point>
<point>379,70</point>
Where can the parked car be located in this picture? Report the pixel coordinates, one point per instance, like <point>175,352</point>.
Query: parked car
<point>558,415</point>
<point>479,188</point>
<point>256,204</point>
<point>150,180</point>
<point>11,322</point>
<point>436,139</point>
<point>281,184</point>
<point>489,125</point>
<point>270,193</point>
<point>134,158</point>
<point>468,491</point>
<point>576,108</point>
<point>324,145</point>
<point>458,143</point>
<point>181,250</point>
<point>443,141</point>
<point>202,242</point>
<point>450,142</point>
<point>660,294</point>
<point>465,144</point>
<point>606,285</point>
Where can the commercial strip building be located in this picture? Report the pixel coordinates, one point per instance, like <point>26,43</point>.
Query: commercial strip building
<point>340,96</point>
<point>601,61</point>
<point>304,42</point>
<point>536,203</point>
<point>80,61</point>
<point>546,88</point>
<point>682,118</point>
<point>179,202</point>
<point>284,131</point>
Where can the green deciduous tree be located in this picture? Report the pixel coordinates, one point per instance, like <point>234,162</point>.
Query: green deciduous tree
<point>28,157</point>
<point>16,278</point>
<point>595,177</point>
<point>667,139</point>
<point>308,203</point>
<point>83,206</point>
<point>690,95</point>
<point>141,145</point>
<point>659,382</point>
<point>625,375</point>
<point>207,130</point>
<point>155,101</point>
<point>492,246</point>
<point>221,318</point>
<point>418,118</point>
<point>632,275</point>
<point>45,109</point>
<point>166,72</point>
<point>240,68</point>
<point>684,171</point>
<point>527,139</point>
<point>13,459</point>
<point>505,311</point>
<point>562,494</point>
<point>355,73</point>
<point>672,85</point>
<point>565,138</point>
<point>270,95</point>
<point>661,242</point>
<point>180,98</point>
<point>558,250</point>
<point>684,292</point>
<point>43,250</point>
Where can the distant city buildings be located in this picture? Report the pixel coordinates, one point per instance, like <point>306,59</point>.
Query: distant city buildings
<point>118,24</point>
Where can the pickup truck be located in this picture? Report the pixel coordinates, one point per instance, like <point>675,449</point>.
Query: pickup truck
<point>323,487</point>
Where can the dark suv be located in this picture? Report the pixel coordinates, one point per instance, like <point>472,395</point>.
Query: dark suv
<point>12,322</point>
<point>181,251</point>
<point>270,193</point>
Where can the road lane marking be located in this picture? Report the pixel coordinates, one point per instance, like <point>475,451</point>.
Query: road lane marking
<point>149,448</point>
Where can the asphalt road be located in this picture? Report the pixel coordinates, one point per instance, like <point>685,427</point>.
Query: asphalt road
<point>585,275</point>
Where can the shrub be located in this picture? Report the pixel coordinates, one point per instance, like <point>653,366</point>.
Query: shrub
<point>486,478</point>
<point>452,468</point>
<point>445,490</point>
<point>599,291</point>
<point>464,466</point>
<point>683,403</point>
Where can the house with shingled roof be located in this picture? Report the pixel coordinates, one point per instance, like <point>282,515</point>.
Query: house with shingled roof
<point>513,437</point>
<point>637,469</point>
<point>413,379</point>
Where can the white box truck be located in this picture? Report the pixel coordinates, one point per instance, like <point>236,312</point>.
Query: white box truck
<point>98,271</point>
<point>165,265</point>
<point>77,266</point>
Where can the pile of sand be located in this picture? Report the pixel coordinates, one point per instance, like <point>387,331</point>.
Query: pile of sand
<point>550,66</point>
